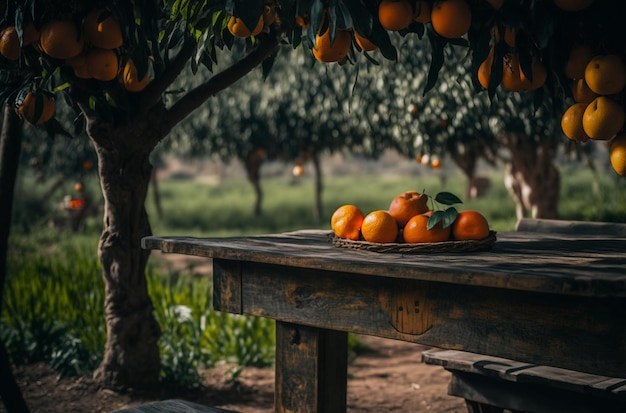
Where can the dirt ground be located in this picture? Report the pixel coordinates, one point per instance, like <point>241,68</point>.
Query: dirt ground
<point>388,378</point>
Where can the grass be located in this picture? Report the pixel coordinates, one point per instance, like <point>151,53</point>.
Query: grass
<point>53,301</point>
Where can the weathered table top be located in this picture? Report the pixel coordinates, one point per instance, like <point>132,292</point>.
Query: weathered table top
<point>584,265</point>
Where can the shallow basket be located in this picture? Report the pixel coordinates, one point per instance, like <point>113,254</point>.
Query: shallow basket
<point>405,248</point>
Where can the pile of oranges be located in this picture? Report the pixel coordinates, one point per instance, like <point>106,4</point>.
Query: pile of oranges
<point>408,219</point>
<point>598,82</point>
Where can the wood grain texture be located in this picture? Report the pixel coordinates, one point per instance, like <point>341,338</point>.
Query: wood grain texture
<point>311,369</point>
<point>173,406</point>
<point>590,265</point>
<point>555,226</point>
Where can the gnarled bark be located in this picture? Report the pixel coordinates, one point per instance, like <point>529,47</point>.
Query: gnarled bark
<point>531,177</point>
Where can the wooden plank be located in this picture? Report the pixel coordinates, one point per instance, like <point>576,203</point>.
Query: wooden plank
<point>311,369</point>
<point>173,406</point>
<point>227,286</point>
<point>551,263</point>
<point>578,333</point>
<point>474,363</point>
<point>553,226</point>
<point>528,397</point>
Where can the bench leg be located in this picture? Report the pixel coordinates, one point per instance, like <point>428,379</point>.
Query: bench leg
<point>311,369</point>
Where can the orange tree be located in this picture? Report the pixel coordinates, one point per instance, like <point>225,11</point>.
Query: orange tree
<point>113,61</point>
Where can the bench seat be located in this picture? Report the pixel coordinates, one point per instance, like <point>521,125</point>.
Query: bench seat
<point>493,384</point>
<point>173,406</point>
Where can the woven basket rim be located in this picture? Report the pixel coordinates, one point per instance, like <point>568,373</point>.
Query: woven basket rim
<point>405,248</point>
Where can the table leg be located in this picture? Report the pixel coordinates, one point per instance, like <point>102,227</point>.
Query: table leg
<point>311,369</point>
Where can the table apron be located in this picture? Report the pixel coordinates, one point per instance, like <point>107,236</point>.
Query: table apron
<point>579,333</point>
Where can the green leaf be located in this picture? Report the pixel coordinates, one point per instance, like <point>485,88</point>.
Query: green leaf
<point>434,219</point>
<point>447,198</point>
<point>437,46</point>
<point>449,216</point>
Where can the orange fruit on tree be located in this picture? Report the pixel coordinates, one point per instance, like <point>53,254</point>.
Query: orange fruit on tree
<point>102,29</point>
<point>27,108</point>
<point>572,122</point>
<point>130,77</point>
<point>31,34</point>
<point>60,39</point>
<point>470,225</point>
<point>395,14</point>
<point>511,78</point>
<point>484,70</point>
<point>102,64</point>
<point>617,154</point>
<point>416,230</point>
<point>603,118</point>
<point>406,205</point>
<point>346,222</point>
<point>579,56</point>
<point>10,43</point>
<point>539,75</point>
<point>573,5</point>
<point>364,43</point>
<point>379,226</point>
<point>606,74</point>
<point>335,51</point>
<point>269,14</point>
<point>238,28</point>
<point>422,11</point>
<point>79,64</point>
<point>435,163</point>
<point>581,91</point>
<point>451,18</point>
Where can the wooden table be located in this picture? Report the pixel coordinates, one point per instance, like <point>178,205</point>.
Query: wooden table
<point>551,299</point>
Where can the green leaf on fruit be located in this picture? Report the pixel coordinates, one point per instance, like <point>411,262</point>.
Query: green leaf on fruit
<point>434,219</point>
<point>449,216</point>
<point>447,198</point>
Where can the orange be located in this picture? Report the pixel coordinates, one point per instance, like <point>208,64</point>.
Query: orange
<point>78,187</point>
<point>603,118</point>
<point>395,14</point>
<point>79,64</point>
<point>581,92</point>
<point>103,33</point>
<point>539,75</point>
<point>422,11</point>
<point>511,78</point>
<point>27,108</point>
<point>573,5</point>
<point>451,18</point>
<point>324,51</point>
<point>406,205</point>
<point>346,222</point>
<point>31,34</point>
<point>484,70</point>
<point>579,56</point>
<point>102,64</point>
<point>435,163</point>
<point>131,80</point>
<point>365,44</point>
<point>379,226</point>
<point>606,74</point>
<point>416,230</point>
<point>572,122</point>
<point>470,225</point>
<point>617,152</point>
<point>237,27</point>
<point>269,14</point>
<point>10,44</point>
<point>60,39</point>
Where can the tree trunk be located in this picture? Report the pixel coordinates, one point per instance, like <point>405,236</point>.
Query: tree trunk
<point>156,194</point>
<point>10,148</point>
<point>532,179</point>
<point>131,358</point>
<point>317,208</point>
<point>253,163</point>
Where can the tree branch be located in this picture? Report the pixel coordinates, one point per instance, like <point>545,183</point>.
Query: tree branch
<point>222,80</point>
<point>153,92</point>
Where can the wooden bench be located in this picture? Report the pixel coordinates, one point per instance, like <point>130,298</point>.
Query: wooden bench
<point>173,406</point>
<point>493,385</point>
